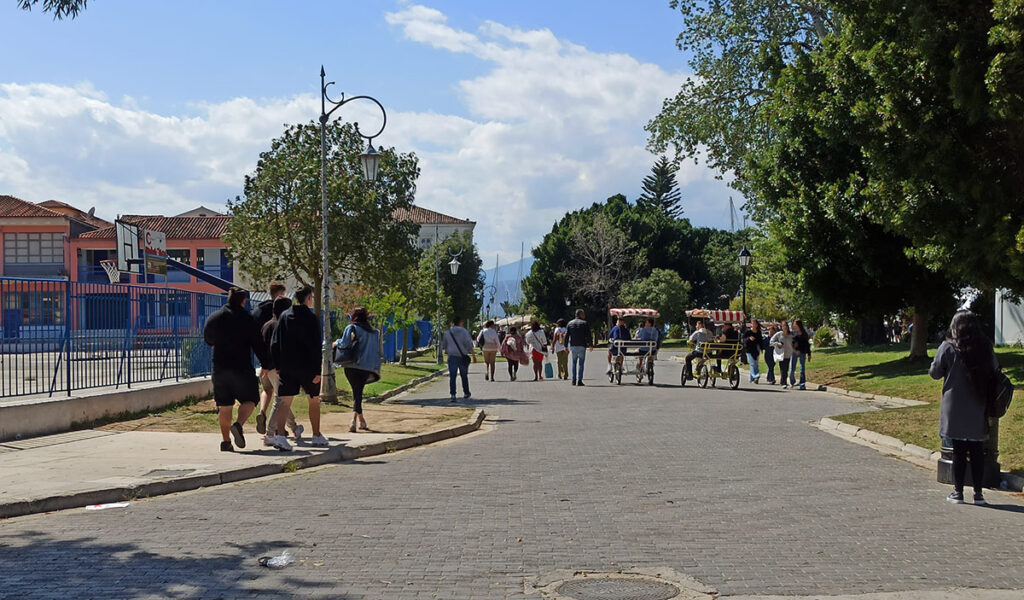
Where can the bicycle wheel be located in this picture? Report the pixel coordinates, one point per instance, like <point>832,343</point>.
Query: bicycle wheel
<point>682,377</point>
<point>618,372</point>
<point>650,372</point>
<point>734,377</point>
<point>640,371</point>
<point>703,376</point>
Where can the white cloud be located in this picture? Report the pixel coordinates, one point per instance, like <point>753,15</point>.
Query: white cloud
<point>550,126</point>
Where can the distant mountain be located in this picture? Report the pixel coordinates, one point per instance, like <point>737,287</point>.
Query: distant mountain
<point>506,284</point>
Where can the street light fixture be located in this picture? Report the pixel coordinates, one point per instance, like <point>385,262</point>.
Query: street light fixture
<point>568,301</point>
<point>454,266</point>
<point>370,161</point>
<point>745,259</point>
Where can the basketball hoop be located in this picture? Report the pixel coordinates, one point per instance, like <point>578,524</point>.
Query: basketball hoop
<point>110,266</point>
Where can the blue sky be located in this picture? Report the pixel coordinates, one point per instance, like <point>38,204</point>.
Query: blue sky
<point>519,111</point>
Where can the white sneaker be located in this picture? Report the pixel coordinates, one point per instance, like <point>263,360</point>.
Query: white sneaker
<point>268,440</point>
<point>318,440</point>
<point>281,443</point>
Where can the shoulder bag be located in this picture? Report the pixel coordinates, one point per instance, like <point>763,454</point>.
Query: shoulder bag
<point>348,356</point>
<point>462,355</point>
<point>1002,395</point>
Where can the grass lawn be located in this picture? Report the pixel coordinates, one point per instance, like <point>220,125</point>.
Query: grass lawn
<point>200,416</point>
<point>885,370</point>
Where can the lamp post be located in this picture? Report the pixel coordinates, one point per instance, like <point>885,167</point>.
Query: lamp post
<point>454,267</point>
<point>370,160</point>
<point>487,298</point>
<point>745,259</point>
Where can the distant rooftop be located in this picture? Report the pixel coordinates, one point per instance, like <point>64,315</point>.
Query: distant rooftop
<point>425,216</point>
<point>176,228</point>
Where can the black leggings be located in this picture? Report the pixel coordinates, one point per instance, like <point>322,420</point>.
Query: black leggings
<point>961,448</point>
<point>513,367</point>
<point>784,370</point>
<point>357,379</point>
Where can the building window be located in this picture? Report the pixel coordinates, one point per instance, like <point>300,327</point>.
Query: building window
<point>34,248</point>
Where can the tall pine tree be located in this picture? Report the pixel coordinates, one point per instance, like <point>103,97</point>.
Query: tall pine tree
<point>661,191</point>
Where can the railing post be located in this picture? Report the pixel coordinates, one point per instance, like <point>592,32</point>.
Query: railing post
<point>67,333</point>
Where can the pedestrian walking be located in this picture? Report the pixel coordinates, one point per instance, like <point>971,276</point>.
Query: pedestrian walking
<point>233,334</point>
<point>513,349</point>
<point>752,342</point>
<point>263,314</point>
<point>458,345</point>
<point>296,348</point>
<point>561,348</point>
<point>801,353</point>
<point>580,340</point>
<point>366,367</point>
<point>967,364</point>
<point>769,355</point>
<point>782,347</point>
<point>273,428</point>
<point>537,342</point>
<point>489,343</point>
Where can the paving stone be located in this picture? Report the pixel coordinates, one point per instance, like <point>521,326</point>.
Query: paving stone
<point>733,488</point>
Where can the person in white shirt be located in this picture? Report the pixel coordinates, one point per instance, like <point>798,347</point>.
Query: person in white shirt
<point>561,349</point>
<point>782,348</point>
<point>537,342</point>
<point>489,342</point>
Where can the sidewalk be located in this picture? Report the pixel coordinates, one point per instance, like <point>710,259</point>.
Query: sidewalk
<point>81,468</point>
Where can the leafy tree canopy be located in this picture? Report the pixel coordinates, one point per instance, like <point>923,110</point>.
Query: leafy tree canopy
<point>59,8</point>
<point>275,230</point>
<point>662,290</point>
<point>661,191</point>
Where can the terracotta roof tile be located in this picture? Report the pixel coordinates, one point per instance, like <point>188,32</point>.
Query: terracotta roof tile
<point>16,207</point>
<point>176,228</point>
<point>418,214</point>
<point>75,213</point>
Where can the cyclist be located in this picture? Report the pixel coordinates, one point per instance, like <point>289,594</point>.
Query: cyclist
<point>648,333</point>
<point>698,337</point>
<point>619,332</point>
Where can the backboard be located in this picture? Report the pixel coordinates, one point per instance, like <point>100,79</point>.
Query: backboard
<point>129,256</point>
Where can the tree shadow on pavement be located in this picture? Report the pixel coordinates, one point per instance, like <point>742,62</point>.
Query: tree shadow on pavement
<point>37,564</point>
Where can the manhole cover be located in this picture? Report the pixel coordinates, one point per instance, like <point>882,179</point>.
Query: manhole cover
<point>157,473</point>
<point>618,589</point>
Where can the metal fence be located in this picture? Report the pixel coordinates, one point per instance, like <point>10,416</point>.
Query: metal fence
<point>58,336</point>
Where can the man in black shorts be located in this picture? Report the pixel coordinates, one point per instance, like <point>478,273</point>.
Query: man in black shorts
<point>295,349</point>
<point>233,334</point>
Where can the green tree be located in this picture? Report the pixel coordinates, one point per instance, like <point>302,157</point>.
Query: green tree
<point>601,259</point>
<point>390,311</point>
<point>275,230</point>
<point>737,48</point>
<point>59,8</point>
<point>661,191</point>
<point>462,290</point>
<point>662,290</point>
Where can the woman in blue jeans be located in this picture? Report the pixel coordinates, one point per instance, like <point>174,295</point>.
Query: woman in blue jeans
<point>801,354</point>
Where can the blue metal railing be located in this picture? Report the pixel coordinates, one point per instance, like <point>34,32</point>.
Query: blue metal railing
<point>57,336</point>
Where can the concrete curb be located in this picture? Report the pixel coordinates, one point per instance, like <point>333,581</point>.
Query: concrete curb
<point>406,386</point>
<point>911,453</point>
<point>334,454</point>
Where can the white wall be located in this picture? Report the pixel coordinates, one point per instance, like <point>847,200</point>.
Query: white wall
<point>1009,319</point>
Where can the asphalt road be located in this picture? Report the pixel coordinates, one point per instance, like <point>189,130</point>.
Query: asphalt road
<point>733,488</point>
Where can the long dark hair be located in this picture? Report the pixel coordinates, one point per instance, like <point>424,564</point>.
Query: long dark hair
<point>975,348</point>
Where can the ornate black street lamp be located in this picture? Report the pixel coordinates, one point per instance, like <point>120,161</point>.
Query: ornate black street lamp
<point>371,163</point>
<point>745,259</point>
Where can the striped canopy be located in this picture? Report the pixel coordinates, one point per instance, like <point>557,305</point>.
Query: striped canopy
<point>723,316</point>
<point>635,312</point>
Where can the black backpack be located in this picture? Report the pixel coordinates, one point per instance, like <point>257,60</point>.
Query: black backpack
<point>1002,395</point>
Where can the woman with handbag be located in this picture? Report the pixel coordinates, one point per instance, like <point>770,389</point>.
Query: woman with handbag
<point>538,344</point>
<point>512,349</point>
<point>358,351</point>
<point>967,364</point>
<point>782,347</point>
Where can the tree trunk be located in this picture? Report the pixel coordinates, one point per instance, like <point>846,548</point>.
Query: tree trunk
<point>405,346</point>
<point>919,336</point>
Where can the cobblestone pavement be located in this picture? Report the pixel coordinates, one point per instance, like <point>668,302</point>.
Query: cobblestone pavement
<point>732,488</point>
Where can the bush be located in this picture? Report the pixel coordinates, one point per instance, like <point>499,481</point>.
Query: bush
<point>676,332</point>
<point>824,337</point>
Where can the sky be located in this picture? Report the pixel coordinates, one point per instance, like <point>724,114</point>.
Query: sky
<point>518,111</point>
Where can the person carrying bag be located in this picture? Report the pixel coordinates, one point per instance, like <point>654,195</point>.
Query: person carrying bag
<point>458,345</point>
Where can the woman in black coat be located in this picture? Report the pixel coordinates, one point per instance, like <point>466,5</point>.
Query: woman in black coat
<point>968,365</point>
